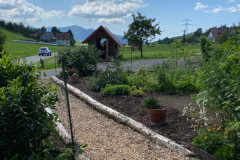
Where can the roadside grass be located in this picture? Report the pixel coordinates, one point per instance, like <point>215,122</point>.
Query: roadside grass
<point>20,50</point>
<point>48,64</point>
<point>159,51</point>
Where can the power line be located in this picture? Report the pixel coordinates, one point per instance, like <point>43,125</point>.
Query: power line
<point>186,25</point>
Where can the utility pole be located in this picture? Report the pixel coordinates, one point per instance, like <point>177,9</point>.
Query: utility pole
<point>186,25</point>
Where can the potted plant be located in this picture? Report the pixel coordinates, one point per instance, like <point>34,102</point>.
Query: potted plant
<point>156,112</point>
<point>72,75</point>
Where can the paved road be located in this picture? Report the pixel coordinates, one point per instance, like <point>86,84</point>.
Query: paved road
<point>36,58</point>
<point>135,65</point>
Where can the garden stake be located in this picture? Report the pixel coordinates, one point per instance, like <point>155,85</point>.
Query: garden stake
<point>68,106</point>
<point>55,64</point>
<point>131,58</point>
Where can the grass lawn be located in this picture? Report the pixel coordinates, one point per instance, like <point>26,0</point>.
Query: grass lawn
<point>20,50</point>
<point>48,64</point>
<point>159,51</point>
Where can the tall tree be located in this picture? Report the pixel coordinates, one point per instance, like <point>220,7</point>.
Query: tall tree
<point>184,39</point>
<point>2,23</point>
<point>9,26</point>
<point>55,30</point>
<point>198,32</point>
<point>72,40</point>
<point>43,29</point>
<point>141,30</point>
<point>2,40</point>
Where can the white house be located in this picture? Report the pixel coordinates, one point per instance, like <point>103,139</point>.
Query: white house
<point>215,32</point>
<point>46,37</point>
<point>63,39</point>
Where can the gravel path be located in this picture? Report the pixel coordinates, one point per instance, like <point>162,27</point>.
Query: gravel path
<point>106,138</point>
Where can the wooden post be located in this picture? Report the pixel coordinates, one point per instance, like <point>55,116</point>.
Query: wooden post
<point>107,49</point>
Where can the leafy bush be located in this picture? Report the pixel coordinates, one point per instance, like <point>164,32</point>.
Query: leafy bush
<point>211,137</point>
<point>116,90</point>
<point>185,87</point>
<point>83,59</point>
<point>205,44</point>
<point>175,79</point>
<point>143,79</point>
<point>220,83</point>
<point>25,125</point>
<point>112,75</point>
<point>151,103</point>
<point>224,152</point>
<point>137,93</point>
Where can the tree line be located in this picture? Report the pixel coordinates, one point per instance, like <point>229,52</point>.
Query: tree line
<point>26,31</point>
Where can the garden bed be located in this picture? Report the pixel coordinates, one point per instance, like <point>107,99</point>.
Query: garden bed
<point>177,128</point>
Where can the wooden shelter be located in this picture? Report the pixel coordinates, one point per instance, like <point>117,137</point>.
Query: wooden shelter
<point>105,41</point>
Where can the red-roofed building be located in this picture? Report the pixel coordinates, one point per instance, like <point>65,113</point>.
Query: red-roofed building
<point>63,39</point>
<point>105,41</point>
<point>214,33</point>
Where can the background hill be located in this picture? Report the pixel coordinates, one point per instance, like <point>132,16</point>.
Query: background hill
<point>81,33</point>
<point>20,50</point>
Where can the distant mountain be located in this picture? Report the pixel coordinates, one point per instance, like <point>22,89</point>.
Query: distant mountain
<point>81,33</point>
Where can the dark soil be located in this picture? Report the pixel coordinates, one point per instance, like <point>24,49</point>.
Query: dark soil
<point>177,128</point>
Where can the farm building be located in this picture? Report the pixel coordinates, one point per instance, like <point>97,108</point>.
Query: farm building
<point>105,41</point>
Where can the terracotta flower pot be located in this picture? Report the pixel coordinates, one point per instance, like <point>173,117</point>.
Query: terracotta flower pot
<point>157,116</point>
<point>72,79</point>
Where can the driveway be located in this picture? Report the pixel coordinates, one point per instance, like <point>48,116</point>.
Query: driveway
<point>36,58</point>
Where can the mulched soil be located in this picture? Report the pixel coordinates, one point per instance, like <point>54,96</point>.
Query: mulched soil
<point>177,127</point>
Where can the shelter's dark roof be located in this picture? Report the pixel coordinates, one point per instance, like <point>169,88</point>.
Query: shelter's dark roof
<point>106,30</point>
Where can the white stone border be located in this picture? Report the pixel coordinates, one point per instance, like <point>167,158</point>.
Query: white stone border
<point>127,120</point>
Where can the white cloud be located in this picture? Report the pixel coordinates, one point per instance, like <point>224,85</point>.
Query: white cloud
<point>231,9</point>
<point>218,9</point>
<point>200,6</point>
<point>231,1</point>
<point>109,11</point>
<point>22,11</point>
<point>112,20</point>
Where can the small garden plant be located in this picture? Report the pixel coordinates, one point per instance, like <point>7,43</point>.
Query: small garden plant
<point>151,103</point>
<point>72,72</point>
<point>116,90</point>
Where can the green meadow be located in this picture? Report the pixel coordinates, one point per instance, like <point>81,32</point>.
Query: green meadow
<point>20,50</point>
<point>159,51</point>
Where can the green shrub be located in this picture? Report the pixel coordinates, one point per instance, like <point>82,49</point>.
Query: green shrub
<point>83,59</point>
<point>143,79</point>
<point>175,79</point>
<point>116,90</point>
<point>224,152</point>
<point>185,87</point>
<point>112,75</point>
<point>137,93</point>
<point>25,125</point>
<point>151,103</point>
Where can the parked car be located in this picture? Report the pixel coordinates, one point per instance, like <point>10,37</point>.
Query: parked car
<point>44,50</point>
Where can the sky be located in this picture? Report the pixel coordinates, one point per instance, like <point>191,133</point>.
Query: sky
<point>116,15</point>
